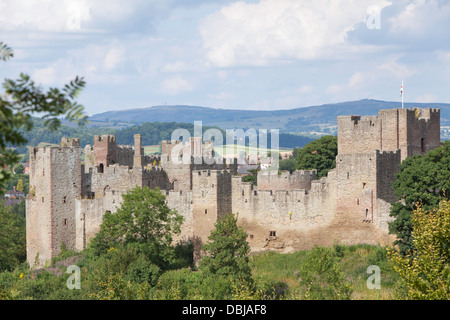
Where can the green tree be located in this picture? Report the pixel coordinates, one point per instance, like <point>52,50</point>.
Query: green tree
<point>321,276</point>
<point>422,181</point>
<point>14,180</point>
<point>226,252</point>
<point>425,272</point>
<point>319,154</point>
<point>12,238</point>
<point>21,99</point>
<point>20,185</point>
<point>252,177</point>
<point>144,220</point>
<point>18,169</point>
<point>288,164</point>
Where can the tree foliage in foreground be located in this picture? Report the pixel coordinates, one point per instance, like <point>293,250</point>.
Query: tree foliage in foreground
<point>226,252</point>
<point>322,278</point>
<point>423,181</point>
<point>426,270</point>
<point>20,100</point>
<point>143,220</point>
<point>12,236</point>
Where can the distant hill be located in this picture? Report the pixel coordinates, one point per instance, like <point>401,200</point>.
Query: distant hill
<point>310,119</point>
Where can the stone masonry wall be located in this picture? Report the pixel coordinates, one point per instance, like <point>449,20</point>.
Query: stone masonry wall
<point>299,179</point>
<point>282,219</point>
<point>50,203</point>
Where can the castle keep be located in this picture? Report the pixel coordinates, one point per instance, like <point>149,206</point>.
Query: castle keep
<point>284,212</point>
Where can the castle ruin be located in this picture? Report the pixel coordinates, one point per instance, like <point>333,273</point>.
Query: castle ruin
<point>284,212</point>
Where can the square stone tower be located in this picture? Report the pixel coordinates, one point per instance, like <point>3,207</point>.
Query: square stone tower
<point>55,183</point>
<point>370,150</point>
<point>412,131</point>
<point>211,196</point>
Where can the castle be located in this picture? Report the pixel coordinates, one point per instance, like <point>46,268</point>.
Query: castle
<point>284,212</point>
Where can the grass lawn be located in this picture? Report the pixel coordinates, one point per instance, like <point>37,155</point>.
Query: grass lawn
<point>152,149</point>
<point>234,149</point>
<point>353,261</point>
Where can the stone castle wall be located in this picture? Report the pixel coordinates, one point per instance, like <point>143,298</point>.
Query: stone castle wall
<point>299,179</point>
<point>290,216</point>
<point>50,218</point>
<point>284,212</point>
<point>413,131</point>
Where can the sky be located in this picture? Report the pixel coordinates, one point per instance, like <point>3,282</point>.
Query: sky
<point>254,55</point>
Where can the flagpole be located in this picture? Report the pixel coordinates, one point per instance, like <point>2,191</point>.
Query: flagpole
<point>402,94</point>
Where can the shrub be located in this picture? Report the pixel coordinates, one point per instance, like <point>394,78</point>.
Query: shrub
<point>321,277</point>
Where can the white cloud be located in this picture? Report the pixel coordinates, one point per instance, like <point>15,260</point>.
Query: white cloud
<point>221,96</point>
<point>176,85</point>
<point>422,18</point>
<point>45,76</point>
<point>43,15</point>
<point>80,15</point>
<point>113,58</point>
<point>356,79</point>
<point>97,63</point>
<point>175,67</point>
<point>334,89</point>
<point>270,30</point>
<point>397,69</point>
<point>305,89</point>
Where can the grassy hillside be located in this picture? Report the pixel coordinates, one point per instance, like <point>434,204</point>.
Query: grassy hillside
<point>283,269</point>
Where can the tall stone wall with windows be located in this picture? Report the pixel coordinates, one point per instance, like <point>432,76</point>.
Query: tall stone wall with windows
<point>283,211</point>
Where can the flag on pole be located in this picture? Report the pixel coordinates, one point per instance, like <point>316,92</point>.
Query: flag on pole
<point>401,93</point>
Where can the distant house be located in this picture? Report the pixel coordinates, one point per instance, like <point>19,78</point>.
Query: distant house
<point>244,169</point>
<point>14,194</point>
<point>26,168</point>
<point>13,197</point>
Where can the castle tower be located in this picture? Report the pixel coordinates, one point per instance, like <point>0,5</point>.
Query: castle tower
<point>211,196</point>
<point>138,151</point>
<point>370,150</point>
<point>105,147</point>
<point>55,183</point>
<point>413,131</point>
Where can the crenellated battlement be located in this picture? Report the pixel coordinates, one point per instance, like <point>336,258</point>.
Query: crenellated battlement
<point>283,211</point>
<point>273,180</point>
<point>413,131</point>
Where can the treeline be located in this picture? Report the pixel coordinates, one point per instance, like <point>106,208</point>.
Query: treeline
<point>152,134</point>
